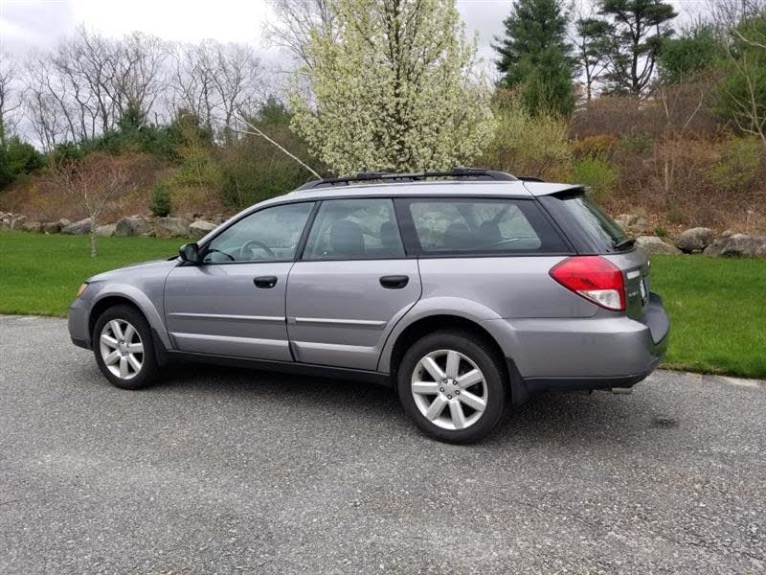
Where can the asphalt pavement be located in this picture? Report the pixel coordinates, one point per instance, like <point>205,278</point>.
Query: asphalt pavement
<point>228,471</point>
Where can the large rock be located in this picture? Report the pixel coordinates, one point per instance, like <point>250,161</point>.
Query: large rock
<point>133,226</point>
<point>5,221</point>
<point>35,227</point>
<point>631,222</point>
<point>51,227</point>
<point>106,230</point>
<point>200,228</point>
<point>77,228</point>
<point>171,227</point>
<point>738,245</point>
<point>17,222</point>
<point>655,246</point>
<point>695,240</point>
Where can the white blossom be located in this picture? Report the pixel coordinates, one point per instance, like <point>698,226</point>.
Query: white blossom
<point>394,90</point>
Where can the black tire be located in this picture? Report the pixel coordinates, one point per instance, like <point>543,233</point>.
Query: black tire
<point>123,315</point>
<point>474,353</point>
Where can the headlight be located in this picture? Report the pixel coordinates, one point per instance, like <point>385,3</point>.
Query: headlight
<point>82,289</point>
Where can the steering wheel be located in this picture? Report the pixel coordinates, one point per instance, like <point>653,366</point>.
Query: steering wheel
<point>213,250</point>
<point>246,248</point>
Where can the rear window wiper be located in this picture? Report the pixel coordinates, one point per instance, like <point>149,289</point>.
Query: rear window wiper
<point>624,244</point>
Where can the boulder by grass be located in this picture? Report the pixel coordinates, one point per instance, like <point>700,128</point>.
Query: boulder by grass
<point>133,226</point>
<point>200,228</point>
<point>738,245</point>
<point>652,245</point>
<point>77,228</point>
<point>171,227</point>
<point>695,240</point>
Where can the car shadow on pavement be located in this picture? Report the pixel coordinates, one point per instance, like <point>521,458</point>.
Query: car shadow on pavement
<point>296,389</point>
<point>551,417</point>
<point>578,418</point>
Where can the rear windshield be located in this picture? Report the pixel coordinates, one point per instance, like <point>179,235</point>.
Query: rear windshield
<point>600,228</point>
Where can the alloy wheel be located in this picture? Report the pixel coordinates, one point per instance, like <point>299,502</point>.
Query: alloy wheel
<point>121,349</point>
<point>449,389</point>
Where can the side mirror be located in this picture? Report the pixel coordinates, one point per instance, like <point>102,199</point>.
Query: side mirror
<point>189,253</point>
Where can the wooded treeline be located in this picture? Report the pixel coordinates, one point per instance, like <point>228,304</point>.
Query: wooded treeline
<point>657,117</point>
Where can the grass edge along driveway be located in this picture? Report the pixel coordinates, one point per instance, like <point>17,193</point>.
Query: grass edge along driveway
<point>717,306</point>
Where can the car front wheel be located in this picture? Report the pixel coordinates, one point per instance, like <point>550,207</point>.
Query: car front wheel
<point>124,348</point>
<point>452,386</point>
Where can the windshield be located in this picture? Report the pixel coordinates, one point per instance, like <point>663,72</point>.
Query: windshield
<point>595,222</point>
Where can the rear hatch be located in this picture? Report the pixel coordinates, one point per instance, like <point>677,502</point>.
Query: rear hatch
<point>593,232</point>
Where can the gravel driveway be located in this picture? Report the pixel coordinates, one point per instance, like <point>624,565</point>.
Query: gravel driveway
<point>248,472</point>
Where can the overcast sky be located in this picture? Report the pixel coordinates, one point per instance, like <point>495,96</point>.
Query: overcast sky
<point>27,24</point>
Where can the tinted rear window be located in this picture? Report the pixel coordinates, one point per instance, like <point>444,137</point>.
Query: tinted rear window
<point>478,226</point>
<point>594,222</point>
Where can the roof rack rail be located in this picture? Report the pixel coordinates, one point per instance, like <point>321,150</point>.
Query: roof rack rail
<point>454,173</point>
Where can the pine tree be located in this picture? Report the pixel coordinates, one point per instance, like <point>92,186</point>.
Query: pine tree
<point>638,29</point>
<point>536,58</point>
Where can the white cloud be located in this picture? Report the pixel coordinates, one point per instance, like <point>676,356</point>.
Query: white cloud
<point>183,20</point>
<point>26,24</point>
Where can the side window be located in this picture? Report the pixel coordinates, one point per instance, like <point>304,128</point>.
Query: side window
<point>482,226</point>
<point>271,234</point>
<point>354,229</point>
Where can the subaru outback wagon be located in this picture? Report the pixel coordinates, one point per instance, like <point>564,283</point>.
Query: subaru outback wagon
<point>463,290</point>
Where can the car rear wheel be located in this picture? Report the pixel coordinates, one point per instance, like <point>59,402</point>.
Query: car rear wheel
<point>122,343</point>
<point>452,386</point>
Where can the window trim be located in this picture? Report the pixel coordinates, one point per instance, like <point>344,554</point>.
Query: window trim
<point>412,242</point>
<point>301,256</point>
<point>203,249</point>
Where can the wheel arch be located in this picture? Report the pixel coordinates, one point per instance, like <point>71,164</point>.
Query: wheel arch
<point>132,297</point>
<point>433,323</point>
<point>104,304</point>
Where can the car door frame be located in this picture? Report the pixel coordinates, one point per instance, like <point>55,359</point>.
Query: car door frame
<point>213,348</point>
<point>365,361</point>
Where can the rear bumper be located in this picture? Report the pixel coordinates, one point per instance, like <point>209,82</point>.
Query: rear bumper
<point>582,354</point>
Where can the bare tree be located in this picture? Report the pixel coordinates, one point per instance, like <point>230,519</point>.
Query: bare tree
<point>81,65</point>
<point>89,82</point>
<point>681,103</point>
<point>728,13</point>
<point>10,96</point>
<point>84,87</point>
<point>742,33</point>
<point>137,72</point>
<point>191,84</point>
<point>214,80</point>
<point>94,182</point>
<point>296,21</point>
<point>45,103</point>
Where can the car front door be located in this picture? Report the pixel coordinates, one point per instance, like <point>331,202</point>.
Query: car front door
<point>233,302</point>
<point>351,286</point>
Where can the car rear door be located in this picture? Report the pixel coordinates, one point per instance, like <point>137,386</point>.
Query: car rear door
<point>351,286</point>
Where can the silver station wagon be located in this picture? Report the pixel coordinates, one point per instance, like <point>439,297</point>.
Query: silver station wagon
<point>464,291</point>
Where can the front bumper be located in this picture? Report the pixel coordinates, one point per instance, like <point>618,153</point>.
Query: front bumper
<point>77,323</point>
<point>584,353</point>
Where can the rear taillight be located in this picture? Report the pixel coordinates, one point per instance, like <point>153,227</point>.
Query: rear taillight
<point>594,278</point>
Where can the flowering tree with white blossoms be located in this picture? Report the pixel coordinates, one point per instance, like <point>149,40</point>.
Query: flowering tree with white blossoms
<point>394,90</point>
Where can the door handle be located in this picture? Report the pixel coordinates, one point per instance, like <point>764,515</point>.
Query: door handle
<point>394,282</point>
<point>265,282</point>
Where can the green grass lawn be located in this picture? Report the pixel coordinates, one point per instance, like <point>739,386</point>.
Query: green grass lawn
<point>717,306</point>
<point>40,274</point>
